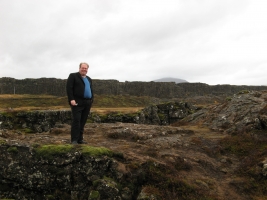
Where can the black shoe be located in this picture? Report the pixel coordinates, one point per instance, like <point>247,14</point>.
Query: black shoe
<point>74,142</point>
<point>82,142</point>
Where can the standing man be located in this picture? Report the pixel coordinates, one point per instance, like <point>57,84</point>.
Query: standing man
<point>80,97</point>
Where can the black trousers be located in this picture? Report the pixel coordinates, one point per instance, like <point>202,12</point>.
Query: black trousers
<point>79,117</point>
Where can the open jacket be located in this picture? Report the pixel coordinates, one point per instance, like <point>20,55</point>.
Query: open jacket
<point>75,87</point>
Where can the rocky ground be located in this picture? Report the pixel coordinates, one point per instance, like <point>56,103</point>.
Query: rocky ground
<point>189,151</point>
<point>192,146</point>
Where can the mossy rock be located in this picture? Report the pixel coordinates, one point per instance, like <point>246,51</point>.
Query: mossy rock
<point>49,151</point>
<point>95,151</point>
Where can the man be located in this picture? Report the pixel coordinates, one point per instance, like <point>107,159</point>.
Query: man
<point>80,97</point>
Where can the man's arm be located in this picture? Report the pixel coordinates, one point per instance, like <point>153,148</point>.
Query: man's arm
<point>69,87</point>
<point>91,87</point>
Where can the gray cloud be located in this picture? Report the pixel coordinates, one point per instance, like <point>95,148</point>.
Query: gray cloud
<point>214,42</point>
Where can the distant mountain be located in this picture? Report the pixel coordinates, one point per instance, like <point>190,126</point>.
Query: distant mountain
<point>169,79</point>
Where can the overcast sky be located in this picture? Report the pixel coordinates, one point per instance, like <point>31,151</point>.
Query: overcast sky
<point>207,41</point>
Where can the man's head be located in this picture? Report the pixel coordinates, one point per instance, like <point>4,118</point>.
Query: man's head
<point>83,69</point>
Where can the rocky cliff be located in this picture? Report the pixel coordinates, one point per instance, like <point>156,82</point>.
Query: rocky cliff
<point>53,86</point>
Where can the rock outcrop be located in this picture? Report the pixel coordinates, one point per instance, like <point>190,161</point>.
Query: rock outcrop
<point>34,121</point>
<point>245,111</point>
<point>43,121</point>
<point>53,86</point>
<point>61,172</point>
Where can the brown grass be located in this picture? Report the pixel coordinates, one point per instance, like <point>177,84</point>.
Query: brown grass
<point>102,103</point>
<point>19,96</point>
<point>120,110</point>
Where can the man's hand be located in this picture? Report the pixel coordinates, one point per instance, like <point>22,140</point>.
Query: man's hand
<point>73,103</point>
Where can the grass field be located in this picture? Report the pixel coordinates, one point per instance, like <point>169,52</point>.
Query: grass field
<point>102,103</point>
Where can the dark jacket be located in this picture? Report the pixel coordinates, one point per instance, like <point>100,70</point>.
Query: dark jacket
<point>75,87</point>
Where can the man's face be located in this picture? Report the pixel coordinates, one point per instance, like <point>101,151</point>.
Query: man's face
<point>83,69</point>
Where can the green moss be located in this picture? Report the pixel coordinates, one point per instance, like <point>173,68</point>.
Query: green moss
<point>94,195</point>
<point>95,151</point>
<point>49,151</point>
<point>12,150</point>
<point>2,142</point>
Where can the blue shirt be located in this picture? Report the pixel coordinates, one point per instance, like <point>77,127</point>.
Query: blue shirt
<point>87,88</point>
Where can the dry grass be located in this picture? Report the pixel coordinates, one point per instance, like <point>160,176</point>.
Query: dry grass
<point>20,96</point>
<point>102,103</point>
<point>95,110</point>
<point>120,110</point>
<point>18,102</point>
<point>31,108</point>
